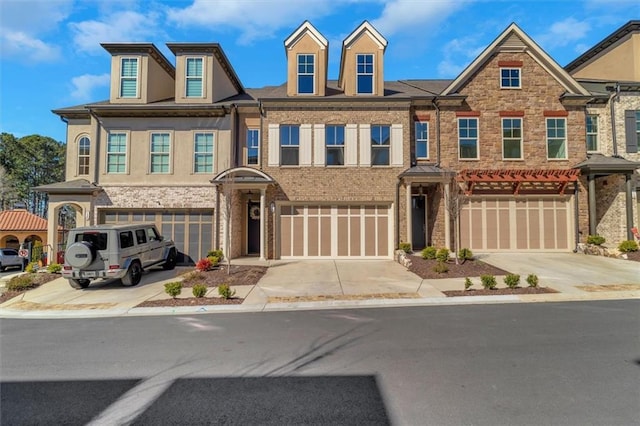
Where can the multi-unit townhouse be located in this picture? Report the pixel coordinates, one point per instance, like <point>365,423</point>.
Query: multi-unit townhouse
<point>345,168</point>
<point>611,72</point>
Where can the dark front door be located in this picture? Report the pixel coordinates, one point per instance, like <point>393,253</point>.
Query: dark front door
<point>253,228</point>
<point>419,227</point>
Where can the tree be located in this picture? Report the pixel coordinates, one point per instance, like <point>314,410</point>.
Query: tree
<point>228,191</point>
<point>454,201</point>
<point>29,162</point>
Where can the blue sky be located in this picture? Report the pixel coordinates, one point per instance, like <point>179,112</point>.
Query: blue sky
<point>50,54</point>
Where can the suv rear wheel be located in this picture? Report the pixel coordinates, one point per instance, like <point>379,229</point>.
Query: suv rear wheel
<point>133,276</point>
<point>79,283</point>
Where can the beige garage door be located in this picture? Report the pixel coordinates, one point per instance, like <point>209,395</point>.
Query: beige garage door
<point>353,231</point>
<point>523,223</point>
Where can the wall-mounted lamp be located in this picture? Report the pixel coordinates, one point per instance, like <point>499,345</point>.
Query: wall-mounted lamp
<point>272,207</point>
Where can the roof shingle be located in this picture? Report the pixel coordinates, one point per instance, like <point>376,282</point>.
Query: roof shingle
<point>21,220</point>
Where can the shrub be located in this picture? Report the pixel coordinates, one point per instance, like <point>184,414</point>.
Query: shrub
<point>512,280</point>
<point>628,246</point>
<point>173,288</point>
<point>217,253</point>
<point>225,291</point>
<point>405,247</point>
<point>199,290</point>
<point>443,255</point>
<point>440,268</point>
<point>429,252</point>
<point>488,281</point>
<point>467,283</point>
<point>204,264</point>
<point>21,282</point>
<point>595,239</point>
<point>54,268</point>
<point>532,280</point>
<point>32,267</point>
<point>465,254</point>
<point>215,260</point>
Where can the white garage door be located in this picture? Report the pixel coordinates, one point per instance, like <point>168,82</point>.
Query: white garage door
<point>517,223</point>
<point>349,231</point>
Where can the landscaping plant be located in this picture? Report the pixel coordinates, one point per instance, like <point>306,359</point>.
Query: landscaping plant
<point>467,283</point>
<point>532,280</point>
<point>628,246</point>
<point>21,282</point>
<point>512,280</point>
<point>488,281</point>
<point>217,253</point>
<point>405,247</point>
<point>32,267</point>
<point>204,264</point>
<point>465,254</point>
<point>595,239</point>
<point>173,288</point>
<point>440,268</point>
<point>429,253</point>
<point>443,255</point>
<point>215,260</point>
<point>225,291</point>
<point>199,290</point>
<point>54,268</point>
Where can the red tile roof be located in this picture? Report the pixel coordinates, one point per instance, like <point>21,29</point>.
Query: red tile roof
<point>21,220</point>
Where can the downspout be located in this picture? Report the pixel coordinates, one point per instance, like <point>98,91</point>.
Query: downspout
<point>435,105</point>
<point>576,216</point>
<point>236,136</point>
<point>397,240</point>
<point>612,99</point>
<point>96,165</point>
<point>260,146</point>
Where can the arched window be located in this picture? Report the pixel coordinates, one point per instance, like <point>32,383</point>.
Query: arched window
<point>84,146</point>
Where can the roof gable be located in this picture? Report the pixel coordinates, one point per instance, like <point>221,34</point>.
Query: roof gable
<point>306,29</point>
<point>513,39</point>
<point>365,28</point>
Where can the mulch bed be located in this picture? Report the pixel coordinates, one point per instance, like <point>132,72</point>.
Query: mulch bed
<point>499,291</point>
<point>37,278</point>
<point>237,275</point>
<point>634,255</point>
<point>469,268</point>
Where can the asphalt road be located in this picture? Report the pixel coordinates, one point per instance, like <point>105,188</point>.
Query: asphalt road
<point>517,364</point>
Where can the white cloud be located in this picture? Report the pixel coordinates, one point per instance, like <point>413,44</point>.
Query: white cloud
<point>563,33</point>
<point>458,54</point>
<point>19,44</point>
<point>84,85</point>
<point>414,17</point>
<point>126,26</point>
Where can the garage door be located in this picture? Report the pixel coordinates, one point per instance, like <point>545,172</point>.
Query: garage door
<point>349,231</point>
<point>526,223</point>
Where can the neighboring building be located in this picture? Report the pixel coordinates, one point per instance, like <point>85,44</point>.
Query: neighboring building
<point>611,72</point>
<point>18,227</point>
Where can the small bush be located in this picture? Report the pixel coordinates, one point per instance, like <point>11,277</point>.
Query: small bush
<point>465,254</point>
<point>21,282</point>
<point>204,264</point>
<point>32,267</point>
<point>532,280</point>
<point>215,260</point>
<point>173,289</point>
<point>467,283</point>
<point>217,253</point>
<point>429,253</point>
<point>225,291</point>
<point>440,268</point>
<point>54,268</point>
<point>405,247</point>
<point>512,280</point>
<point>443,255</point>
<point>595,239</point>
<point>628,246</point>
<point>488,281</point>
<point>199,290</point>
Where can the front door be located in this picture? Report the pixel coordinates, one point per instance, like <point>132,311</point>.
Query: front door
<point>418,221</point>
<point>253,228</point>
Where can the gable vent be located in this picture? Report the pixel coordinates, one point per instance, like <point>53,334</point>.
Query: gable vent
<point>513,43</point>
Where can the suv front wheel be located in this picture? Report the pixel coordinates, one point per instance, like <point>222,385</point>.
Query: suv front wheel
<point>133,276</point>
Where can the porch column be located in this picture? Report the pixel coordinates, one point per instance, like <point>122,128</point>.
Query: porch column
<point>447,217</point>
<point>629,206</point>
<point>262,220</point>
<point>592,204</point>
<point>52,230</point>
<point>409,208</point>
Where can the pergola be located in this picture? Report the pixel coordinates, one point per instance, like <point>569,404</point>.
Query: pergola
<point>517,181</point>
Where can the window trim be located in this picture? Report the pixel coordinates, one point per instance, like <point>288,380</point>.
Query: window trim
<point>510,78</point>
<point>312,74</point>
<point>290,146</point>
<point>123,77</point>
<point>372,74</point>
<point>81,156</point>
<point>566,154</point>
<point>187,77</point>
<point>257,146</point>
<point>380,147</point>
<point>512,139</point>
<point>477,140</point>
<point>196,153</point>
<point>594,134</point>
<point>421,140</point>
<point>335,145</point>
<point>113,153</point>
<point>168,154</point>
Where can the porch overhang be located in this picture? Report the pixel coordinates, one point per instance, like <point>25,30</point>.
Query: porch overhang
<point>516,181</point>
<point>426,173</point>
<point>243,178</point>
<point>71,187</point>
<point>602,165</point>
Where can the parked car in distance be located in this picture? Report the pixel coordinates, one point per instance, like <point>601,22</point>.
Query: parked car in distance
<point>9,258</point>
<point>115,251</point>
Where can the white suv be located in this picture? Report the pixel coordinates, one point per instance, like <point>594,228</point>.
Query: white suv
<point>115,251</point>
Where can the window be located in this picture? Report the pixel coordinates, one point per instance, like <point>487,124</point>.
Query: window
<point>126,239</point>
<point>253,145</point>
<point>193,84</point>
<point>509,78</point>
<point>512,138</point>
<point>306,73</point>
<point>334,140</point>
<point>117,153</point>
<point>380,145</point>
<point>592,132</point>
<point>422,139</point>
<point>160,152</point>
<point>129,78</point>
<point>84,145</point>
<point>289,145</point>
<point>364,74</point>
<point>141,236</point>
<point>556,138</point>
<point>203,153</point>
<point>468,137</point>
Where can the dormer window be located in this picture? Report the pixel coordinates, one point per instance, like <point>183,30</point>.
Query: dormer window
<point>509,78</point>
<point>306,74</point>
<point>129,78</point>
<point>364,74</point>
<point>193,76</point>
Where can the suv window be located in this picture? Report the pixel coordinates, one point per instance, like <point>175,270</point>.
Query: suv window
<point>141,236</point>
<point>153,236</point>
<point>126,239</point>
<point>98,239</point>
<point>9,252</point>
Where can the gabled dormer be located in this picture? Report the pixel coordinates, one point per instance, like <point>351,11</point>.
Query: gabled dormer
<point>203,73</point>
<point>140,73</point>
<point>362,62</point>
<point>307,59</point>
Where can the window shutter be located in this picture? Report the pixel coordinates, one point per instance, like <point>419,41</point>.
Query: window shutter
<point>365,145</point>
<point>396,145</point>
<point>351,145</point>
<point>631,133</point>
<point>318,145</point>
<point>274,145</point>
<point>305,144</point>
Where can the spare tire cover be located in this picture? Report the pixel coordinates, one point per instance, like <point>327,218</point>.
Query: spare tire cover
<point>80,254</point>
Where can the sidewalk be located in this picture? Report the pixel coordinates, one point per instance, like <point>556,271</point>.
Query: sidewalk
<point>329,284</point>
